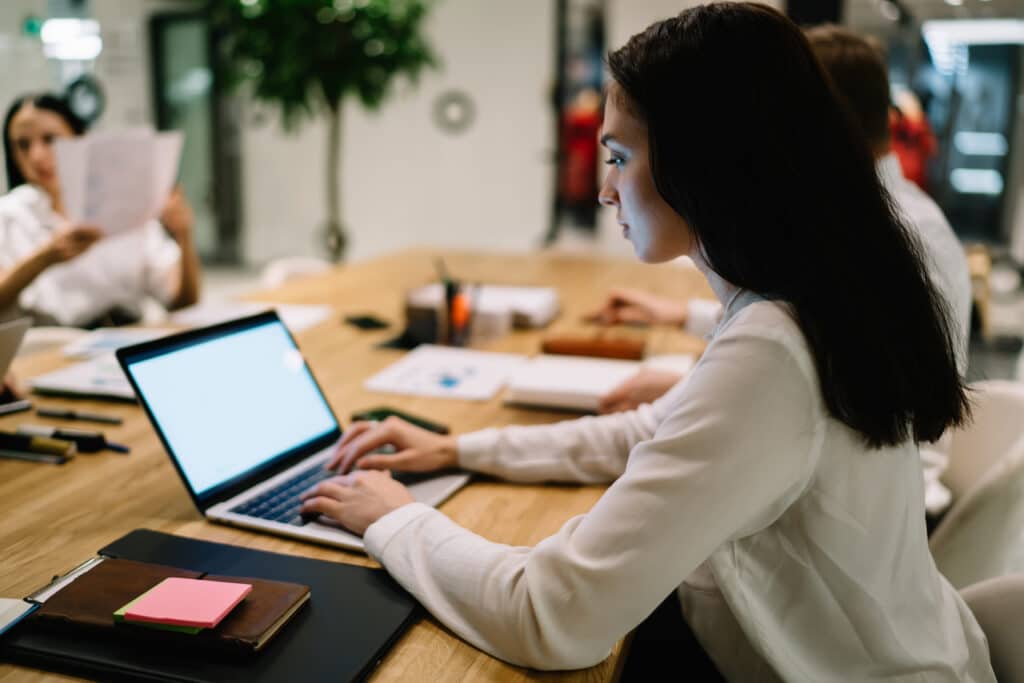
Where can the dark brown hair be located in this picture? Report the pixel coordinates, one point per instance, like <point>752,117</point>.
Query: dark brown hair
<point>857,68</point>
<point>750,145</point>
<point>48,101</point>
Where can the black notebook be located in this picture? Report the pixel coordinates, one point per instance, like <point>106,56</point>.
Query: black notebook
<point>354,616</point>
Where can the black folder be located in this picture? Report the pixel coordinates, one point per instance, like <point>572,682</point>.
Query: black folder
<point>354,615</point>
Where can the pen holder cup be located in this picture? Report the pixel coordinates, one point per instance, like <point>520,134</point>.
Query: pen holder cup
<point>427,323</point>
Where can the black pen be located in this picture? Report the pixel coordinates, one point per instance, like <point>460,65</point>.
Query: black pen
<point>78,415</point>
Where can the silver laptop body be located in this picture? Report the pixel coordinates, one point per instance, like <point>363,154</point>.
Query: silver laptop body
<point>240,415</point>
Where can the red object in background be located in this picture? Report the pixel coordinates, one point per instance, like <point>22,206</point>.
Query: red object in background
<point>579,175</point>
<point>914,144</point>
<point>581,122</point>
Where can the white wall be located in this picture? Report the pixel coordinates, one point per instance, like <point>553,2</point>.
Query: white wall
<point>123,66</point>
<point>406,182</point>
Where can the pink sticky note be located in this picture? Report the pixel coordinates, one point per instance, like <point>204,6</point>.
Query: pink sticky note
<point>188,602</point>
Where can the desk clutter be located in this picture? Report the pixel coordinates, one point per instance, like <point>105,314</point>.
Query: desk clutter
<point>39,443</point>
<point>554,381</point>
<point>259,625</point>
<point>459,314</point>
<point>177,607</point>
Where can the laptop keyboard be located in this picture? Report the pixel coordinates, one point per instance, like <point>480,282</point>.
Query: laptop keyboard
<point>281,503</point>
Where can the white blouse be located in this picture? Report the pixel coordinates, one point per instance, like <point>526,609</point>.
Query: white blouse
<point>119,270</point>
<point>946,264</point>
<point>797,552</point>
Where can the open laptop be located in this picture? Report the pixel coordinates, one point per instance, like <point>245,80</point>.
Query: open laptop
<point>247,426</point>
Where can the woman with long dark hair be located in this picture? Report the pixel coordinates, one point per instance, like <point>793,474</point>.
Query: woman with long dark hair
<point>69,274</point>
<point>777,492</point>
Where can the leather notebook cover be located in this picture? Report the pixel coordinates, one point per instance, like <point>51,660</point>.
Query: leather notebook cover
<point>596,347</point>
<point>91,599</point>
<point>341,635</point>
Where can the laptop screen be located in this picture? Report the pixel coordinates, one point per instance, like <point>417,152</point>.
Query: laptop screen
<point>232,402</point>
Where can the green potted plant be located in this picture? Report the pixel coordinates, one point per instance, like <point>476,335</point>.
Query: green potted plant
<point>308,56</point>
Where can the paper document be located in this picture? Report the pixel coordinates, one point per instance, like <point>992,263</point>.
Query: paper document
<point>576,383</point>
<point>447,372</point>
<point>296,317</point>
<point>12,611</point>
<point>117,180</point>
<point>99,377</point>
<point>108,340</point>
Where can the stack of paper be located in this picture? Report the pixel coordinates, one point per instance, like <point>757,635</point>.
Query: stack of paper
<point>117,180</point>
<point>98,377</point>
<point>576,383</point>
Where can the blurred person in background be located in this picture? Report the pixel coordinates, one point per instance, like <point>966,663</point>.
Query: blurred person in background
<point>63,273</point>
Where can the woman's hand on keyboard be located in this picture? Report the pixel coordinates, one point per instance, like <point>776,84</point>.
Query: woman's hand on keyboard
<point>415,449</point>
<point>356,500</point>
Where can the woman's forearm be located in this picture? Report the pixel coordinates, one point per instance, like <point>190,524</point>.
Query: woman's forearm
<point>13,281</point>
<point>189,275</point>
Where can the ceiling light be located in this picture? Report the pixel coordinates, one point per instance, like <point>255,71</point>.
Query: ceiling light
<point>71,39</point>
<point>976,181</point>
<point>975,31</point>
<point>976,143</point>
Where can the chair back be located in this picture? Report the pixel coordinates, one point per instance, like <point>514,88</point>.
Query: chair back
<point>997,426</point>
<point>998,605</point>
<point>982,535</point>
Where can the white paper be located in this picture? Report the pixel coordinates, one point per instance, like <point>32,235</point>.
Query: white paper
<point>447,372</point>
<point>100,376</point>
<point>12,611</point>
<point>296,317</point>
<point>117,180</point>
<point>108,340</point>
<point>568,382</point>
<point>578,383</point>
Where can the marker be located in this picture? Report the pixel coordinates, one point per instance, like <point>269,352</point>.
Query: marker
<point>36,444</point>
<point>87,442</point>
<point>78,415</point>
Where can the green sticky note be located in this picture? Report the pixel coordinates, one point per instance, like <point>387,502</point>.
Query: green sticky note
<point>119,617</point>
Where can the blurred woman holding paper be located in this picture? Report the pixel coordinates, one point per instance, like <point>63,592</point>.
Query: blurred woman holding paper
<point>772,503</point>
<point>64,273</point>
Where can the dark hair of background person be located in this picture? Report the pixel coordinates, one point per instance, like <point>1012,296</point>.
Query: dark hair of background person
<point>749,144</point>
<point>47,101</point>
<point>857,68</point>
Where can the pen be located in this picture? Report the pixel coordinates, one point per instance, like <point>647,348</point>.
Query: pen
<point>15,406</point>
<point>36,444</point>
<point>34,457</point>
<point>78,415</point>
<point>87,442</point>
<point>451,289</point>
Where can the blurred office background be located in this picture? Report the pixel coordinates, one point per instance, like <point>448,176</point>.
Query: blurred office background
<point>493,148</point>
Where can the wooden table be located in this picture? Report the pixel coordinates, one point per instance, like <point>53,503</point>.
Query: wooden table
<point>56,516</point>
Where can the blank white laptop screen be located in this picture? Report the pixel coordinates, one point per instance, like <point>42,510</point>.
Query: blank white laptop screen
<point>230,404</point>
